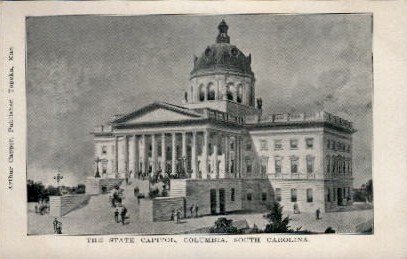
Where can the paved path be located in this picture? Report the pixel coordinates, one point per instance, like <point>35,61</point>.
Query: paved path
<point>97,218</point>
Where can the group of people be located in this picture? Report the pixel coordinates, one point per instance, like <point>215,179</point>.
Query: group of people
<point>42,207</point>
<point>176,215</point>
<point>122,212</point>
<point>57,226</point>
<point>193,210</point>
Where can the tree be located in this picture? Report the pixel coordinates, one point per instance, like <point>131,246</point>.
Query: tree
<point>277,224</point>
<point>224,226</point>
<point>369,190</point>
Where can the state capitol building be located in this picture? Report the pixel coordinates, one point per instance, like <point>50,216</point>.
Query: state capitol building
<point>221,152</point>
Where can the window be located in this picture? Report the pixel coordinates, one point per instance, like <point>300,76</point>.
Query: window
<point>239,93</point>
<point>328,196</point>
<point>278,194</point>
<point>263,196</point>
<point>232,145</point>
<point>232,194</point>
<point>201,93</point>
<point>328,164</point>
<point>104,149</point>
<point>278,144</point>
<point>263,144</point>
<point>294,165</point>
<point>309,142</point>
<point>328,144</point>
<point>263,166</point>
<point>309,195</point>
<point>333,145</point>
<point>248,146</point>
<point>211,91</point>
<point>348,149</point>
<point>310,164</point>
<point>249,196</point>
<point>248,168</point>
<point>293,195</point>
<point>277,165</point>
<point>294,143</point>
<point>334,194</point>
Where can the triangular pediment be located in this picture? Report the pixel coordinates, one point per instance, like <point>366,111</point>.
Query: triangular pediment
<point>158,112</point>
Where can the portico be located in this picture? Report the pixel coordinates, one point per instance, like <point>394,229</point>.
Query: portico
<point>201,153</point>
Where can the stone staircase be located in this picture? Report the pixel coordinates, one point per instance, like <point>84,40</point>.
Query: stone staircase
<point>178,188</point>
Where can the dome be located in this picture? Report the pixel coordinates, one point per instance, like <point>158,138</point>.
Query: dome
<point>222,57</point>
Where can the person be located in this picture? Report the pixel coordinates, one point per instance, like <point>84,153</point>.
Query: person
<point>59,227</point>
<point>296,210</point>
<point>123,214</point>
<point>116,215</point>
<point>178,215</point>
<point>126,175</point>
<point>318,212</point>
<point>55,223</point>
<point>36,209</point>
<point>172,215</point>
<point>196,210</point>
<point>191,209</point>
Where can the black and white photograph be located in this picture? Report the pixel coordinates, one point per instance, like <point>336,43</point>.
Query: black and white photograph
<point>200,124</point>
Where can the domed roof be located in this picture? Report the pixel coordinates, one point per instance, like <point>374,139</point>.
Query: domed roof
<point>222,56</point>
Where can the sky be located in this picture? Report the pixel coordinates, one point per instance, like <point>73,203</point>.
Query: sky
<point>82,70</point>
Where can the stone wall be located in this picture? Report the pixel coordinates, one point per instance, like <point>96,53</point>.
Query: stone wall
<point>198,193</point>
<point>301,186</point>
<point>257,195</point>
<point>62,205</point>
<point>162,207</point>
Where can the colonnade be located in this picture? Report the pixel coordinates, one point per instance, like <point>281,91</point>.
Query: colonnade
<point>202,154</point>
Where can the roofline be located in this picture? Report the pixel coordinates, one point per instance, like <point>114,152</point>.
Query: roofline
<point>297,125</point>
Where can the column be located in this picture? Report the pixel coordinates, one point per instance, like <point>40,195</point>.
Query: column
<point>225,174</point>
<point>144,162</point>
<point>184,151</point>
<point>136,156</point>
<point>126,155</point>
<point>173,154</point>
<point>205,155</point>
<point>116,157</point>
<point>193,155</point>
<point>215,155</point>
<point>153,154</point>
<point>163,153</point>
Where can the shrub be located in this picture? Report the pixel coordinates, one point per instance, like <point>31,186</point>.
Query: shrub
<point>277,224</point>
<point>224,226</point>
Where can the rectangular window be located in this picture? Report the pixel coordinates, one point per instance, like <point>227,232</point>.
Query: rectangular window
<point>263,144</point>
<point>309,195</point>
<point>294,165</point>
<point>309,142</point>
<point>248,146</point>
<point>249,196</point>
<point>293,195</point>
<point>278,194</point>
<point>310,164</point>
<point>264,162</point>
<point>232,194</point>
<point>278,144</point>
<point>294,143</point>
<point>328,144</point>
<point>248,168</point>
<point>333,145</point>
<point>104,149</point>
<point>328,195</point>
<point>277,165</point>
<point>263,196</point>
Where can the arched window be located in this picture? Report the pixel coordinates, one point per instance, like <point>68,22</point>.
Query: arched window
<point>230,91</point>
<point>201,93</point>
<point>211,91</point>
<point>239,95</point>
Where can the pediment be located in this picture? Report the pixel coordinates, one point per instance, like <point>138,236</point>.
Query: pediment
<point>158,112</point>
